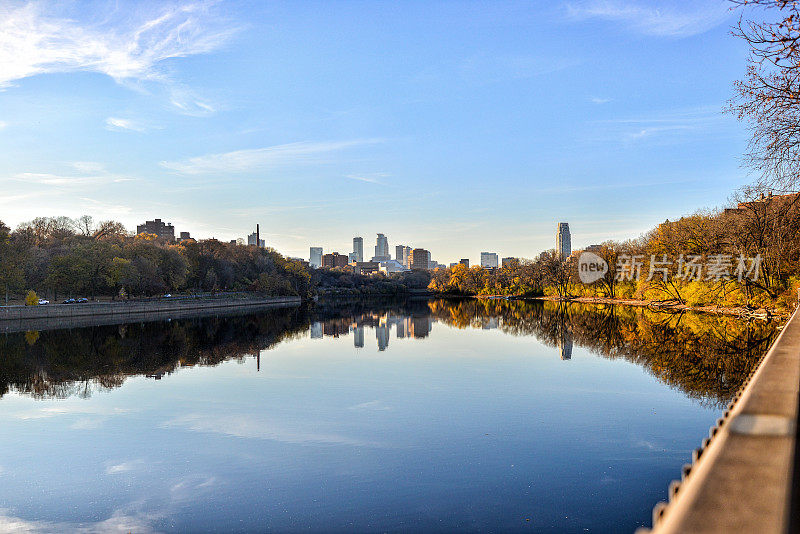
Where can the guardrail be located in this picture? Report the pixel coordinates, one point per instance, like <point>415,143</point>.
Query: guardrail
<point>743,476</point>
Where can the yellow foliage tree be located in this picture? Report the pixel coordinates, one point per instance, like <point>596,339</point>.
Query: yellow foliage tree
<point>31,299</point>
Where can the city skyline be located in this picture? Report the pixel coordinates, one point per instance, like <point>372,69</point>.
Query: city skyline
<point>264,112</point>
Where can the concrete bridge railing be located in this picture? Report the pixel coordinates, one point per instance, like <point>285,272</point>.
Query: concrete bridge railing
<point>743,478</point>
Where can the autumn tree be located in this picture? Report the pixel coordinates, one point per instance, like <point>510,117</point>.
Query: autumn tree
<point>768,97</point>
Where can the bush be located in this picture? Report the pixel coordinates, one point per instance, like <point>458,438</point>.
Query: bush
<point>31,299</point>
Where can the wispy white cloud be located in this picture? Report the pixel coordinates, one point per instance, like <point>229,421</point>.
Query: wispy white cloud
<point>80,173</point>
<point>375,405</point>
<point>598,100</point>
<point>484,68</point>
<point>671,126</point>
<point>259,158</point>
<point>3,124</point>
<point>681,19</point>
<point>371,178</point>
<point>128,44</point>
<point>118,124</point>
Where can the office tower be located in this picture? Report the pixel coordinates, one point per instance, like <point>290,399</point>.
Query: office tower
<point>381,249</point>
<point>315,258</point>
<point>358,248</point>
<point>352,257</point>
<point>403,255</point>
<point>488,260</point>
<point>158,227</point>
<point>563,241</point>
<point>464,262</point>
<point>419,259</point>
<point>400,255</point>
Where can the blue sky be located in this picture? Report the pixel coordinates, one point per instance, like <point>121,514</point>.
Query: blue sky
<point>459,127</point>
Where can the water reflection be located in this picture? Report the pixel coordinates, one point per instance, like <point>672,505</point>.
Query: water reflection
<point>707,357</point>
<point>459,415</point>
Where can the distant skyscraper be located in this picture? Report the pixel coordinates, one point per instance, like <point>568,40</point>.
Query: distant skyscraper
<point>563,241</point>
<point>489,260</point>
<point>382,249</point>
<point>315,259</point>
<point>403,254</point>
<point>465,262</point>
<point>358,248</point>
<point>400,254</point>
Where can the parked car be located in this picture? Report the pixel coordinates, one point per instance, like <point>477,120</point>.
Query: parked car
<point>69,301</point>
<point>168,295</point>
<point>82,300</point>
<point>42,302</point>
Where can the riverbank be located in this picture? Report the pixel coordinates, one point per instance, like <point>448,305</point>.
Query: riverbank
<point>55,316</point>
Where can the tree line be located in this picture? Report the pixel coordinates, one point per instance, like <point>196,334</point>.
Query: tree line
<point>59,256</point>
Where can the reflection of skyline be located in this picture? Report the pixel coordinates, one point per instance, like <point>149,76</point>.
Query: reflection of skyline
<point>70,362</point>
<point>565,343</point>
<point>405,326</point>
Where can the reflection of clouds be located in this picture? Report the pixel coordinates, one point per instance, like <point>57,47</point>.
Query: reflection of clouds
<point>123,467</point>
<point>55,411</point>
<point>87,423</point>
<point>120,521</point>
<point>190,487</point>
<point>375,405</point>
<point>244,426</point>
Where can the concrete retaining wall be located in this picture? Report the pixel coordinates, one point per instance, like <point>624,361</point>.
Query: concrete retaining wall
<point>54,316</point>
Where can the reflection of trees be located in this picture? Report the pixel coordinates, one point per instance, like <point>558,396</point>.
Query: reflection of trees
<point>708,357</point>
<point>62,363</point>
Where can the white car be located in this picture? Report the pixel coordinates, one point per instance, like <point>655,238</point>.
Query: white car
<point>42,302</point>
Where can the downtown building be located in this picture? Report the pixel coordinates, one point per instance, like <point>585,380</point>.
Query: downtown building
<point>334,259</point>
<point>381,249</point>
<point>358,249</point>
<point>489,260</point>
<point>563,241</point>
<point>315,257</point>
<point>420,259</point>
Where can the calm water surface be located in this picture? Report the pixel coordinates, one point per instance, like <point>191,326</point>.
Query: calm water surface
<point>419,416</point>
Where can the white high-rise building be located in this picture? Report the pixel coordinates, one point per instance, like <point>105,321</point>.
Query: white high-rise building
<point>489,260</point>
<point>358,248</point>
<point>563,241</point>
<point>382,249</point>
<point>315,258</point>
